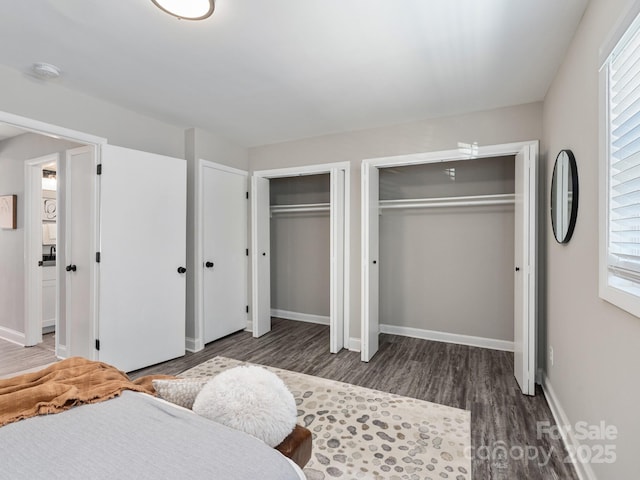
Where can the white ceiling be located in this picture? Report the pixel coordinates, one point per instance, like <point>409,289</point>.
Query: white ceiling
<point>262,71</point>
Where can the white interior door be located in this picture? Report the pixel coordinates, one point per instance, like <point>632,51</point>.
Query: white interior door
<point>370,273</point>
<point>143,255</point>
<point>337,260</point>
<point>524,317</point>
<point>261,264</point>
<point>224,243</point>
<point>77,264</point>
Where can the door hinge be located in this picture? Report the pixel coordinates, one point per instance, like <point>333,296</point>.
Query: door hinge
<point>99,169</point>
<point>247,252</point>
<point>97,257</point>
<point>247,195</point>
<point>247,309</point>
<point>97,344</point>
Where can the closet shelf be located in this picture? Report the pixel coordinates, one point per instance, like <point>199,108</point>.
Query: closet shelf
<point>300,208</point>
<point>440,202</point>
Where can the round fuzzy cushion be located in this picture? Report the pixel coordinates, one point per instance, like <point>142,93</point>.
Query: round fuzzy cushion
<point>251,399</point>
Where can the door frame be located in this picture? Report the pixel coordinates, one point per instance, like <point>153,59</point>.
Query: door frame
<point>338,339</point>
<point>33,248</point>
<point>465,152</point>
<point>197,343</point>
<point>51,130</point>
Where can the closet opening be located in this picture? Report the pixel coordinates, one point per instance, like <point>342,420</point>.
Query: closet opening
<point>449,250</point>
<point>300,250</point>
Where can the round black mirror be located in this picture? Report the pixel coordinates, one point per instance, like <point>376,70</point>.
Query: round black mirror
<point>564,196</point>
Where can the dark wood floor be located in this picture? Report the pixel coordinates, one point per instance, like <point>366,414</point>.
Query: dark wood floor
<point>503,421</point>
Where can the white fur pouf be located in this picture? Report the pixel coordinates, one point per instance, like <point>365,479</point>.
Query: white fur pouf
<point>251,399</point>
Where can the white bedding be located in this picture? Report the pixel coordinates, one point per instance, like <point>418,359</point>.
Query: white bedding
<point>135,436</point>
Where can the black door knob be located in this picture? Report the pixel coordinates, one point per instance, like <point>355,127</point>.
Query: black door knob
<point>208,264</point>
<point>375,261</point>
<point>70,268</point>
<point>264,254</point>
<point>517,269</point>
<point>181,270</point>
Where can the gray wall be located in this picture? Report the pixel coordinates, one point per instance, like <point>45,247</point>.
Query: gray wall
<point>300,263</point>
<point>13,153</point>
<point>511,124</point>
<point>595,344</point>
<point>449,271</point>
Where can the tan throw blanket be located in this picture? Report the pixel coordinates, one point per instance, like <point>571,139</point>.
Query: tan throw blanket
<point>65,384</point>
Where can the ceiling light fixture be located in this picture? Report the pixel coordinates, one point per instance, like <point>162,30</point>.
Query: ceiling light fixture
<point>187,9</point>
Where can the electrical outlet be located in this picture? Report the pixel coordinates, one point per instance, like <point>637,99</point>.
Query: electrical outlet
<point>551,355</point>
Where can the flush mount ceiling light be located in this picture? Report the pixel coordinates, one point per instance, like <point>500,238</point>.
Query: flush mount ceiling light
<point>45,71</point>
<point>187,9</point>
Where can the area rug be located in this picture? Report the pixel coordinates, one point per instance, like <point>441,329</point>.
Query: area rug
<point>359,433</point>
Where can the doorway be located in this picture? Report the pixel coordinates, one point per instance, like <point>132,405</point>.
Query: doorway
<point>40,245</point>
<point>40,237</point>
<point>338,207</point>
<point>524,273</point>
<point>59,201</point>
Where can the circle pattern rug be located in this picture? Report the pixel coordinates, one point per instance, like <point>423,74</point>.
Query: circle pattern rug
<point>359,433</point>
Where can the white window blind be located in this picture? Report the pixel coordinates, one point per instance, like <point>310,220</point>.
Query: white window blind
<point>624,156</point>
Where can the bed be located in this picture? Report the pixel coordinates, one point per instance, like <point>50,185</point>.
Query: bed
<point>134,435</point>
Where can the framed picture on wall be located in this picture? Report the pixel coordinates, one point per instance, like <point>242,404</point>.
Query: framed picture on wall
<point>49,209</point>
<point>8,211</point>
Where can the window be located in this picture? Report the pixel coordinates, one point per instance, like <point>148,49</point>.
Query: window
<point>620,233</point>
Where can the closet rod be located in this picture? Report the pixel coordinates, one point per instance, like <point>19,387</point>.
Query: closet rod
<point>301,208</point>
<point>462,201</point>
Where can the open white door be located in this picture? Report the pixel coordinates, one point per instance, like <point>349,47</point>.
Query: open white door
<point>261,285</point>
<point>143,254</point>
<point>337,260</point>
<point>370,273</point>
<point>223,258</point>
<point>77,273</point>
<point>524,270</point>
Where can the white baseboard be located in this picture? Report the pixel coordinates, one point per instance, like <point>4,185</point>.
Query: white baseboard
<point>12,336</point>
<point>448,337</point>
<point>584,470</point>
<point>191,345</point>
<point>301,317</point>
<point>354,344</point>
<point>249,326</point>
<point>49,323</point>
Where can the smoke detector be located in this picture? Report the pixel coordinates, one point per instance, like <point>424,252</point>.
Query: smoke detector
<point>45,71</point>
